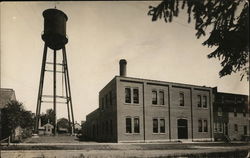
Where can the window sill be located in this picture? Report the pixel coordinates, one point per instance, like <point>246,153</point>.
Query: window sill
<point>156,105</point>
<point>132,104</point>
<point>132,133</point>
<point>159,133</point>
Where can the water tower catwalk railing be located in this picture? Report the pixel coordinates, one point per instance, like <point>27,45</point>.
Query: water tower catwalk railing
<point>55,38</point>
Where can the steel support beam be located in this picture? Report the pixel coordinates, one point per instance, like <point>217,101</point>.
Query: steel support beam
<point>68,82</point>
<point>40,90</point>
<point>54,96</point>
<point>54,92</point>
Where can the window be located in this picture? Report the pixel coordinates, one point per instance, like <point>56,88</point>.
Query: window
<point>162,125</point>
<point>128,125</point>
<point>136,125</point>
<point>199,101</point>
<point>110,98</point>
<point>204,101</point>
<point>235,127</point>
<point>181,99</point>
<point>136,96</point>
<point>127,95</point>
<point>205,126</point>
<point>199,125</point>
<point>161,95</point>
<point>154,97</point>
<point>235,112</point>
<point>245,130</point>
<point>219,111</point>
<point>132,93</point>
<point>155,125</point>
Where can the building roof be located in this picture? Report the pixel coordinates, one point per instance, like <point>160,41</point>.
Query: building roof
<point>6,95</point>
<point>48,124</point>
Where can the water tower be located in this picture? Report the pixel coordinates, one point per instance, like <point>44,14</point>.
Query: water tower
<point>55,38</point>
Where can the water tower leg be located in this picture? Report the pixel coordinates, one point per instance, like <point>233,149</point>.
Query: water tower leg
<point>68,82</point>
<point>40,90</point>
<point>54,92</point>
<point>67,93</point>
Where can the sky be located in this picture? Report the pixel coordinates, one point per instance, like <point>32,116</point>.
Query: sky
<point>100,34</point>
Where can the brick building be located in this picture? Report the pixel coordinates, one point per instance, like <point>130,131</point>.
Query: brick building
<point>141,110</point>
<point>231,116</point>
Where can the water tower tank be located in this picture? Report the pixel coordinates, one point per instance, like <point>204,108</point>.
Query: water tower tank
<point>54,34</point>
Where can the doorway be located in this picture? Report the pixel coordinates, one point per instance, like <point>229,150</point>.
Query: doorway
<point>182,129</point>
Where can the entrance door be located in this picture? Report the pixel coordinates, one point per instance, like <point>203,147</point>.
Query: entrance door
<point>182,129</point>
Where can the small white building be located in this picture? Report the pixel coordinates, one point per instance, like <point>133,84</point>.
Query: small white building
<point>46,129</point>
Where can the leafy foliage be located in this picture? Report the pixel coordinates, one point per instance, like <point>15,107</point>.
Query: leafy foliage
<point>230,30</point>
<point>49,116</point>
<point>14,115</point>
<point>63,123</point>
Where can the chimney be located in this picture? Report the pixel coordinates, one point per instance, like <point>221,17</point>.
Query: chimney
<point>123,69</point>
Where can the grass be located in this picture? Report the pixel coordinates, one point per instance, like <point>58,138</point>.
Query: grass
<point>52,139</point>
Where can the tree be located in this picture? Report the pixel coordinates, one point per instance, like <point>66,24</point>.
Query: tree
<point>63,123</point>
<point>14,115</point>
<point>49,116</point>
<point>230,31</point>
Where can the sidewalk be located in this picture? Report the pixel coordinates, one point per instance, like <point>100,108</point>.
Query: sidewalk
<point>230,152</point>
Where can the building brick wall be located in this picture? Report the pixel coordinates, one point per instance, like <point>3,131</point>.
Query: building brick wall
<point>240,121</point>
<point>171,111</point>
<point>129,110</point>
